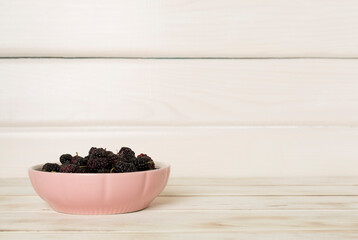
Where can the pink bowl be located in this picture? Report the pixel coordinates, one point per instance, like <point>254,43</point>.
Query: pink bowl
<point>101,193</point>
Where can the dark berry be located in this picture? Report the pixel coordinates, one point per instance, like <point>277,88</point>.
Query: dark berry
<point>99,163</point>
<point>79,161</point>
<point>65,158</point>
<point>114,158</point>
<point>99,160</point>
<point>127,160</point>
<point>104,170</point>
<point>69,168</point>
<point>91,151</point>
<point>121,167</point>
<point>51,167</point>
<point>83,169</point>
<point>144,162</point>
<point>126,153</point>
<point>109,153</point>
<point>97,153</point>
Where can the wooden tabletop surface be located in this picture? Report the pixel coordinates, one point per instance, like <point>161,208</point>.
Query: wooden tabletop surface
<point>201,208</point>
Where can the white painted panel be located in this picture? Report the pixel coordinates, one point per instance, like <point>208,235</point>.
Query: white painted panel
<point>65,92</point>
<point>196,151</point>
<point>179,28</point>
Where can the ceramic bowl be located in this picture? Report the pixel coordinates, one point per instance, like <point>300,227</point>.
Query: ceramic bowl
<point>99,193</point>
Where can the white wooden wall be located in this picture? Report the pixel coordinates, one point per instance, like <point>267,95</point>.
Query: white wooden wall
<point>215,88</point>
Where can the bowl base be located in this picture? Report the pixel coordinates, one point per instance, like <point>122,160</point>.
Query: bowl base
<point>98,211</point>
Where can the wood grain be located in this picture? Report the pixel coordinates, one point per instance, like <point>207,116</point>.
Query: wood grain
<point>180,28</point>
<point>173,191</point>
<point>248,235</point>
<point>118,92</point>
<point>23,187</point>
<point>236,181</point>
<point>203,217</point>
<point>29,203</point>
<point>184,221</point>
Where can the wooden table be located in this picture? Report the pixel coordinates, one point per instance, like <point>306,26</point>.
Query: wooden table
<point>246,208</point>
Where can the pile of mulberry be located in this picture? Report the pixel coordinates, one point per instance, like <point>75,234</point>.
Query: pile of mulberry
<point>100,160</point>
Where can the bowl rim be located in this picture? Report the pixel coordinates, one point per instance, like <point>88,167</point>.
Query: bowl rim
<point>37,169</point>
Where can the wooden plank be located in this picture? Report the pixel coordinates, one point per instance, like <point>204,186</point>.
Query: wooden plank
<point>124,92</point>
<point>155,28</point>
<point>202,217</point>
<point>249,181</point>
<point>196,151</point>
<point>260,190</point>
<point>183,221</point>
<point>248,235</point>
<point>225,191</point>
<point>209,203</point>
<point>255,181</point>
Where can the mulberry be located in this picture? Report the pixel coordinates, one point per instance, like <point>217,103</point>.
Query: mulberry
<point>98,153</point>
<point>144,162</point>
<point>66,158</point>
<point>104,170</point>
<point>69,168</point>
<point>99,163</point>
<point>126,153</point>
<point>121,167</point>
<point>51,167</point>
<point>79,161</point>
<point>83,169</point>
